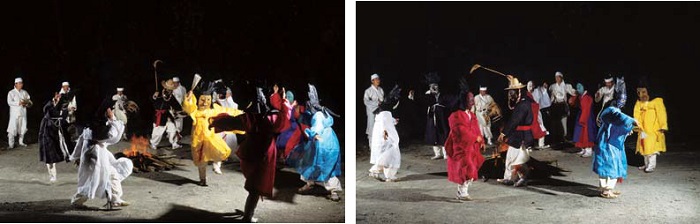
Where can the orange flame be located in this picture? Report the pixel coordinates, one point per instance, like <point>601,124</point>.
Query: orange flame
<point>139,145</point>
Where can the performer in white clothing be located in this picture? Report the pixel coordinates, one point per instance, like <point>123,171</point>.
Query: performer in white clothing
<point>482,103</point>
<point>560,92</point>
<point>73,105</point>
<point>372,98</point>
<point>99,173</point>
<point>386,157</point>
<point>18,99</point>
<point>179,93</point>
<point>541,97</point>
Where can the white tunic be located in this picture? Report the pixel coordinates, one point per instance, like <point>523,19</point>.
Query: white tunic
<point>18,113</point>
<point>73,104</point>
<point>385,152</point>
<point>373,95</point>
<point>482,102</point>
<point>559,92</point>
<point>97,163</point>
<point>605,93</point>
<point>541,96</point>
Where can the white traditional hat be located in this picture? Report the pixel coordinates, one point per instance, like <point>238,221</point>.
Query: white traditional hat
<point>176,79</point>
<point>65,84</point>
<point>374,76</point>
<point>120,89</point>
<point>558,74</point>
<point>18,80</point>
<point>482,88</point>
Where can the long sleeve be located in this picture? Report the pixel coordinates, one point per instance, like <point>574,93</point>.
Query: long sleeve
<point>620,118</point>
<point>81,144</point>
<point>599,95</point>
<point>189,105</point>
<point>638,111</point>
<point>570,90</point>
<point>230,111</point>
<point>316,125</point>
<point>661,114</point>
<point>368,100</point>
<point>12,101</point>
<point>115,132</point>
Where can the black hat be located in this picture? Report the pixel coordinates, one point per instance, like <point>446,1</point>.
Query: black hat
<point>432,78</point>
<point>391,100</point>
<point>314,103</point>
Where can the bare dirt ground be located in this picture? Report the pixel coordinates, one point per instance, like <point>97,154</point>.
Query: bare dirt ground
<point>563,190</point>
<point>26,195</point>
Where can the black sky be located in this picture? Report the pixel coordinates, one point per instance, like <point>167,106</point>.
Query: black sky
<point>99,45</point>
<point>532,40</point>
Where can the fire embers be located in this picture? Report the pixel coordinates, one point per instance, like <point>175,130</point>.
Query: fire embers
<point>145,161</point>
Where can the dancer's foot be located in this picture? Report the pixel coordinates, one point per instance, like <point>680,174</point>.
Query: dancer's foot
<point>436,157</point>
<point>642,168</point>
<point>217,170</point>
<point>305,189</point>
<point>504,181</point>
<point>464,198</point>
<point>176,146</point>
<point>587,153</point>
<point>203,183</point>
<point>521,183</point>
<point>334,196</point>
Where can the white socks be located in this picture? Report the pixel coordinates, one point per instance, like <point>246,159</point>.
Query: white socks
<point>52,171</point>
<point>436,150</point>
<point>217,167</point>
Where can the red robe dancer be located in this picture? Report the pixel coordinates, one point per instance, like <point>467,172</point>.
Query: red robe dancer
<point>258,152</point>
<point>584,131</point>
<point>283,109</point>
<point>462,147</point>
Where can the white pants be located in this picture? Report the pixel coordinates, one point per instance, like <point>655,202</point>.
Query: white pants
<point>463,189</point>
<point>157,134</point>
<point>514,157</point>
<point>540,142</point>
<point>563,123</point>
<point>52,169</point>
<point>484,125</point>
<point>607,183</point>
<point>178,124</point>
<point>16,126</point>
<point>389,173</point>
<point>650,161</point>
<point>331,185</point>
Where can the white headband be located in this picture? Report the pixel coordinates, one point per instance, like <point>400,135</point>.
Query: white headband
<point>608,80</point>
<point>483,88</point>
<point>65,84</point>
<point>120,89</point>
<point>374,76</point>
<point>18,80</point>
<point>176,79</point>
<point>558,74</point>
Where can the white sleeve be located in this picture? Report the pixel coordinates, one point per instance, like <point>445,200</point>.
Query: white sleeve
<point>81,144</point>
<point>11,101</point>
<point>367,99</point>
<point>115,132</point>
<point>599,95</point>
<point>570,90</point>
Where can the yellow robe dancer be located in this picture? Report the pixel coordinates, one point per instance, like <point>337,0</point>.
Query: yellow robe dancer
<point>651,139</point>
<point>206,145</point>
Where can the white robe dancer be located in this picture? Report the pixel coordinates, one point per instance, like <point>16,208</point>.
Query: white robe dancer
<point>373,96</point>
<point>559,95</point>
<point>179,94</point>
<point>481,106</point>
<point>385,154</point>
<point>100,174</point>
<point>18,116</point>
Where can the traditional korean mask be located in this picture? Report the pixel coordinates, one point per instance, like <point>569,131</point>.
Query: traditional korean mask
<point>643,94</point>
<point>513,96</point>
<point>530,86</point>
<point>204,102</point>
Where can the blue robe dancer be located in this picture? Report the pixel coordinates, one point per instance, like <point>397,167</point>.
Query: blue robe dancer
<point>321,159</point>
<point>609,160</point>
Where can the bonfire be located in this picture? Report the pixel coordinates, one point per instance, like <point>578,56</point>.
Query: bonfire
<point>143,160</point>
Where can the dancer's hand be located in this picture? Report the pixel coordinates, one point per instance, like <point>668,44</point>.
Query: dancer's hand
<point>500,137</point>
<point>663,131</point>
<point>155,95</point>
<point>317,137</point>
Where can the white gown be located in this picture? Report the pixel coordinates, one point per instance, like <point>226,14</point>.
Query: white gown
<point>18,114</point>
<point>98,165</point>
<point>385,153</point>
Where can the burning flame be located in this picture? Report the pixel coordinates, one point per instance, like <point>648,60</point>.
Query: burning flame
<point>139,145</point>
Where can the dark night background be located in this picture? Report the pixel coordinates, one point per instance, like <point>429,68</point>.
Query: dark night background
<point>585,41</point>
<point>99,45</point>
